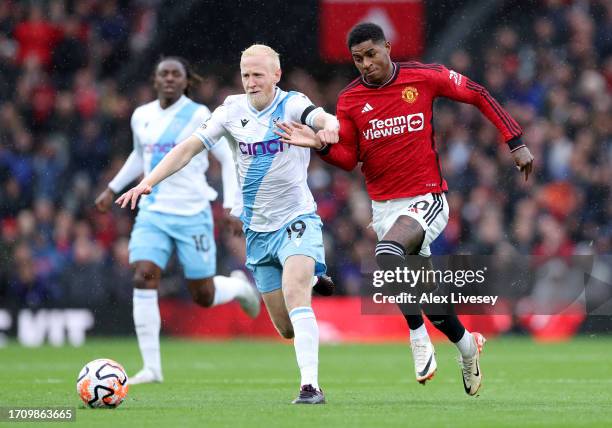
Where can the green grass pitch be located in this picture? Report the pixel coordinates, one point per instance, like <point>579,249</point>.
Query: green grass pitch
<point>242,383</point>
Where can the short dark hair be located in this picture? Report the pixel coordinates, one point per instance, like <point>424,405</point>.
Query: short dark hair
<point>363,32</point>
<point>193,78</point>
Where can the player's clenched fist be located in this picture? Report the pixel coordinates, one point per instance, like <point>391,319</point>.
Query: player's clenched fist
<point>132,195</point>
<point>524,160</point>
<point>104,201</point>
<point>328,136</point>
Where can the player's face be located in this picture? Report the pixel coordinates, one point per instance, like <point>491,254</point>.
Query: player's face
<point>373,60</point>
<point>170,80</point>
<point>259,77</point>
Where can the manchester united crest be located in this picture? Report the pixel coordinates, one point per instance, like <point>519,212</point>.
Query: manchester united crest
<point>410,94</point>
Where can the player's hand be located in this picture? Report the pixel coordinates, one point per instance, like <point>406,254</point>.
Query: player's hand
<point>328,136</point>
<point>524,161</point>
<point>132,195</point>
<point>231,223</point>
<point>104,201</point>
<point>298,135</point>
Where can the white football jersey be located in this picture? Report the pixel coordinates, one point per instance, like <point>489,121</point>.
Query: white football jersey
<point>271,174</point>
<point>156,131</point>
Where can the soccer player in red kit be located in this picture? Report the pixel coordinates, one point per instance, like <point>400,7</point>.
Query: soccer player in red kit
<point>385,122</point>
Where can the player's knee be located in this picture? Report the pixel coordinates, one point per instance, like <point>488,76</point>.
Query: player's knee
<point>296,294</point>
<point>145,278</point>
<point>203,295</point>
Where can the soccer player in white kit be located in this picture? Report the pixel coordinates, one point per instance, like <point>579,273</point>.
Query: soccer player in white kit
<point>283,231</point>
<point>176,214</point>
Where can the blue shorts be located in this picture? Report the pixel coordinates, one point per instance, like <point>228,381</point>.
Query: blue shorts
<point>266,252</point>
<point>156,234</point>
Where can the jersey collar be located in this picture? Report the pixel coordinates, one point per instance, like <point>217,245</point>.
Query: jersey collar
<point>387,82</point>
<point>174,106</point>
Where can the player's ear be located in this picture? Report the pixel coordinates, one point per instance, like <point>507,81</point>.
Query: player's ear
<point>388,47</point>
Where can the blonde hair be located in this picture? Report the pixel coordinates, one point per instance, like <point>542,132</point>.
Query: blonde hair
<point>263,50</point>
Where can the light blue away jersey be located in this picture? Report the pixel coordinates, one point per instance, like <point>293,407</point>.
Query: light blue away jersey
<point>156,131</point>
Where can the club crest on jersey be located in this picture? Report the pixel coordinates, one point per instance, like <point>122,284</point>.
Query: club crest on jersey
<point>410,94</point>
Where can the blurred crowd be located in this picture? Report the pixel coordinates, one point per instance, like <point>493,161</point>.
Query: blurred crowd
<point>64,133</point>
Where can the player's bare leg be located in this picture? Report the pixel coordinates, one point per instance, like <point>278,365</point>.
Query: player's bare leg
<point>298,271</point>
<point>410,233</point>
<point>217,290</point>
<point>404,238</point>
<point>147,321</point>
<point>277,309</point>
<point>206,292</point>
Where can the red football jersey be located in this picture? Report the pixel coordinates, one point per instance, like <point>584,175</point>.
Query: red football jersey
<point>389,128</point>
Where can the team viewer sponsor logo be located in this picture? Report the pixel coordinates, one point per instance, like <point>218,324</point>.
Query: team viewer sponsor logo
<point>262,147</point>
<point>394,126</point>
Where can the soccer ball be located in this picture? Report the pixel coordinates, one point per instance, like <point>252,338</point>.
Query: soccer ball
<point>102,383</point>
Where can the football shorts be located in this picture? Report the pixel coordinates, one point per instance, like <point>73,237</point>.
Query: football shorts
<point>266,252</point>
<point>430,210</point>
<point>156,234</point>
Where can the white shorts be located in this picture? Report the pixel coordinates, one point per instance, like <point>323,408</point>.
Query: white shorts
<point>430,210</point>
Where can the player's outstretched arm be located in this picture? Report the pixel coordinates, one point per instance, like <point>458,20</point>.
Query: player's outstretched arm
<point>176,159</point>
<point>297,134</point>
<point>342,155</point>
<point>455,86</point>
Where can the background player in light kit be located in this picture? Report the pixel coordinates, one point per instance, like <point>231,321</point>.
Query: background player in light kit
<point>177,214</point>
<point>283,232</point>
<point>385,120</point>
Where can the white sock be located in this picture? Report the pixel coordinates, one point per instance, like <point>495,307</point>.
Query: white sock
<point>466,345</point>
<point>306,344</point>
<point>419,334</point>
<point>228,288</point>
<point>148,323</point>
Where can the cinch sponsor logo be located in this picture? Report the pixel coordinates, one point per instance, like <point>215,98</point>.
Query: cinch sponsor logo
<point>262,147</point>
<point>394,126</point>
<point>158,147</point>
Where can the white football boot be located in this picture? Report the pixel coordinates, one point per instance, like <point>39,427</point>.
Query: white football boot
<point>250,301</point>
<point>424,357</point>
<point>146,375</point>
<point>470,367</point>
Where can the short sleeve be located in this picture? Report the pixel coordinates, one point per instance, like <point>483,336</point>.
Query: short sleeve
<point>301,109</point>
<point>213,128</point>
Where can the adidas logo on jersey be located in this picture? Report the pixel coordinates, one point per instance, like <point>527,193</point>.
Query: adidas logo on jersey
<point>367,107</point>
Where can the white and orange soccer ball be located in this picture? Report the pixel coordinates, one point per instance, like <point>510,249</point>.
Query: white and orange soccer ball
<point>102,383</point>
